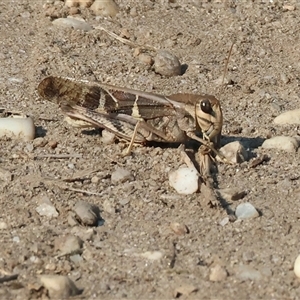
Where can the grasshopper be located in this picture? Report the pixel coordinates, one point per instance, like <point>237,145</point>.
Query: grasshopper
<point>137,116</point>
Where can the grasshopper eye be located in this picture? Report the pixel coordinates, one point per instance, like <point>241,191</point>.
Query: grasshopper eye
<point>206,106</point>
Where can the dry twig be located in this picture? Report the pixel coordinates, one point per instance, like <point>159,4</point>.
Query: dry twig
<point>59,156</point>
<point>125,41</point>
<point>80,175</point>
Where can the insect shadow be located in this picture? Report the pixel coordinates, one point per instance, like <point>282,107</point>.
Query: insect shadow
<point>190,144</point>
<point>183,69</point>
<point>92,132</point>
<point>40,131</point>
<point>248,143</point>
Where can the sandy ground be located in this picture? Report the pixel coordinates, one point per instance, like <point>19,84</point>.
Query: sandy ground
<point>115,261</point>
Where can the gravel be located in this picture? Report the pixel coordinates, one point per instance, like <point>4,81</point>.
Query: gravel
<point>135,254</point>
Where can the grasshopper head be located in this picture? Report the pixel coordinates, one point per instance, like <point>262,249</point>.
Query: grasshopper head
<point>209,118</point>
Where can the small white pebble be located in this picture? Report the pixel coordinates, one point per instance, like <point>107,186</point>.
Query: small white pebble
<point>184,180</point>
<point>224,221</point>
<point>95,179</point>
<point>108,137</point>
<point>17,127</point>
<point>16,239</point>
<point>3,225</point>
<point>288,7</point>
<point>152,255</point>
<point>217,273</point>
<point>50,266</point>
<point>34,259</point>
<point>297,266</point>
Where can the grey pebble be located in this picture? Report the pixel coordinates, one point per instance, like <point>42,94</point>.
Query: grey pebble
<point>76,258</point>
<point>248,273</point>
<point>121,175</point>
<point>284,78</point>
<point>246,211</point>
<point>87,213</point>
<point>29,147</point>
<point>108,206</point>
<point>72,220</point>
<point>72,23</point>
<point>167,64</point>
<point>69,244</point>
<point>5,175</point>
<point>47,210</point>
<point>83,233</point>
<point>146,59</point>
<point>248,256</point>
<point>285,143</point>
<point>124,200</point>
<point>266,272</point>
<point>235,152</point>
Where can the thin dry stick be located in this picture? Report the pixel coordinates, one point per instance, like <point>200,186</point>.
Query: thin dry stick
<point>125,41</point>
<point>227,62</point>
<point>82,191</point>
<point>80,175</point>
<point>59,156</point>
<point>225,70</point>
<point>62,185</point>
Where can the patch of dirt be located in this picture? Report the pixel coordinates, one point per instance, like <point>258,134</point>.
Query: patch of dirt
<point>262,81</point>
